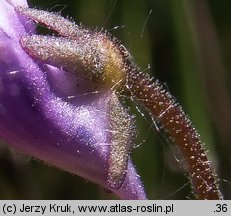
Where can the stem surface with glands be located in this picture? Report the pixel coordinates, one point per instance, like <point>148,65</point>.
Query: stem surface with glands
<point>169,114</point>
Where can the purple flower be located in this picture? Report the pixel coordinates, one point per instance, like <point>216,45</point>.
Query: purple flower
<point>39,118</point>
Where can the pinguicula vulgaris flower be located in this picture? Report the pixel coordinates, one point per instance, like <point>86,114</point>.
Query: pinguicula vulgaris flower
<point>39,117</point>
<point>61,101</point>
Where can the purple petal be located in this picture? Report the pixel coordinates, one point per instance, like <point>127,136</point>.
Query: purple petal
<point>38,118</point>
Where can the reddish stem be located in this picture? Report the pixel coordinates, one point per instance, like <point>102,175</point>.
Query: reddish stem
<point>167,112</point>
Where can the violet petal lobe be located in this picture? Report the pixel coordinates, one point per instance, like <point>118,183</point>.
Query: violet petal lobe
<point>38,117</point>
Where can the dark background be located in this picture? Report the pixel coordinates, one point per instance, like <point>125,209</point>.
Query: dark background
<point>187,44</point>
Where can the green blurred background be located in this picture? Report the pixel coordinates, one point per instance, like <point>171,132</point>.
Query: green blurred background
<point>187,44</point>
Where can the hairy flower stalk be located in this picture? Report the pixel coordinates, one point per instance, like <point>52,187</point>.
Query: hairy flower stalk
<point>61,118</point>
<point>169,115</point>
